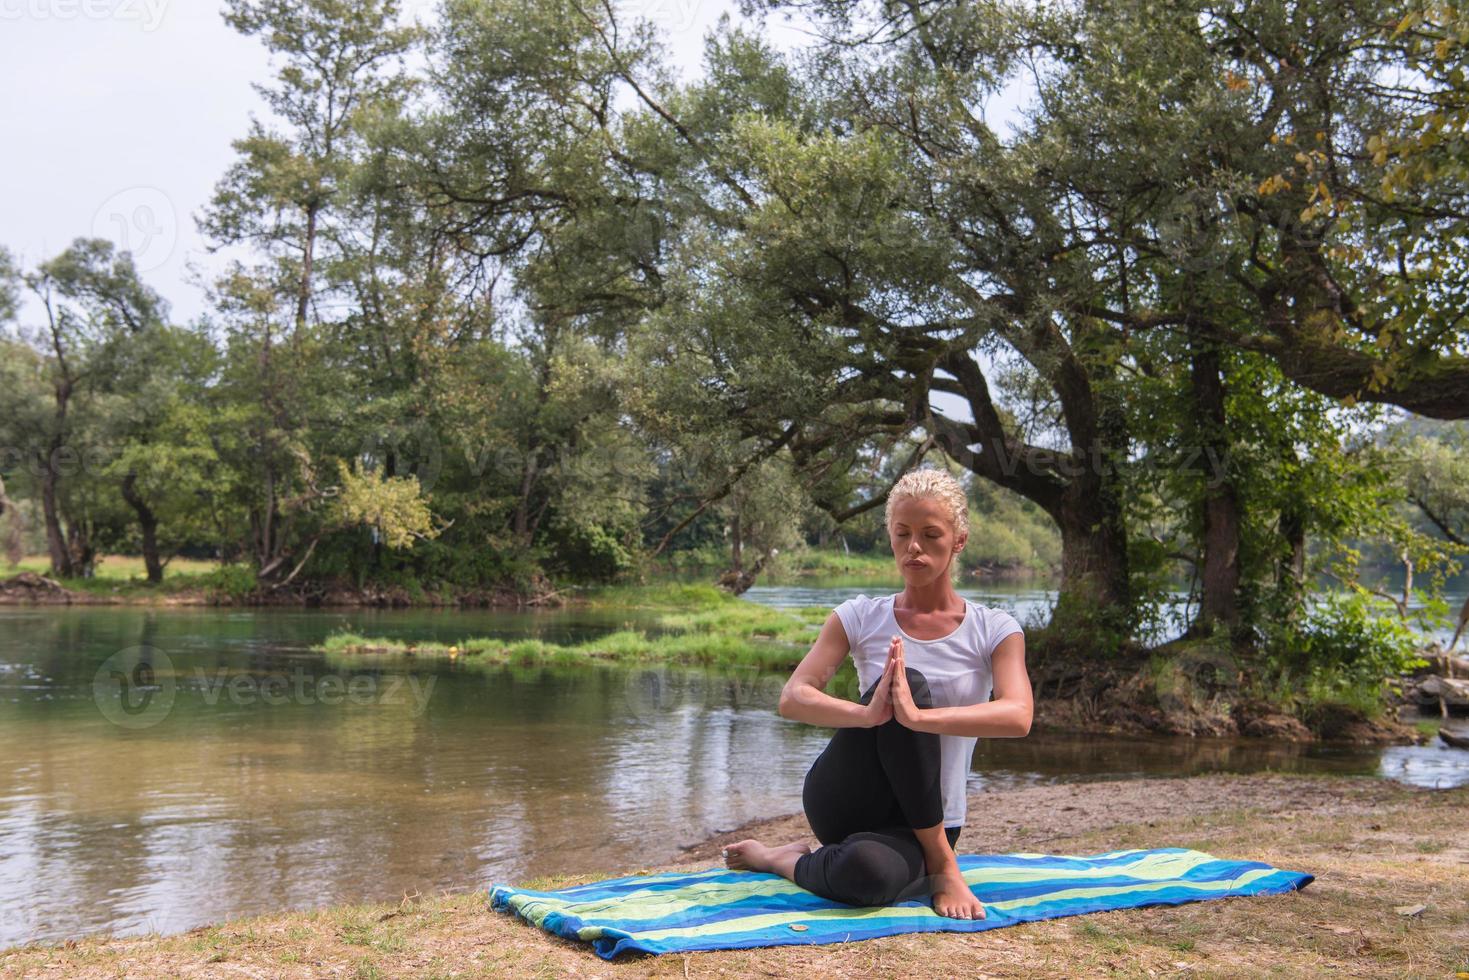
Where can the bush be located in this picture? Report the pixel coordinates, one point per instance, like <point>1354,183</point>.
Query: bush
<point>590,553</point>
<point>1343,652</point>
<point>230,581</point>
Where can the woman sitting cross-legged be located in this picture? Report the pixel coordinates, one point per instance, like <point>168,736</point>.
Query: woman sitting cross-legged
<point>886,797</point>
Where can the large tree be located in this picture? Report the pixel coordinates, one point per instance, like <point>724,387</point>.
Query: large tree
<point>93,307</point>
<point>286,197</point>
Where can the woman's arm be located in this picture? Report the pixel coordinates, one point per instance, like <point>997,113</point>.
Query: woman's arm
<point>802,698</point>
<point>1007,716</point>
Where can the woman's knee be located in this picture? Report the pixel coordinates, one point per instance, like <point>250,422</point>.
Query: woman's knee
<point>867,872</point>
<point>918,687</point>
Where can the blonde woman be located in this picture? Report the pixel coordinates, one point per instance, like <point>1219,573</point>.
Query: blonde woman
<point>886,797</point>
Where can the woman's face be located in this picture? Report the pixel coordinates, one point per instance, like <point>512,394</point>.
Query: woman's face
<point>922,538</point>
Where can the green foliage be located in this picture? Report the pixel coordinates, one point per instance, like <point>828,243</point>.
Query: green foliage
<point>591,553</point>
<point>765,508</point>
<point>700,559</point>
<point>392,505</point>
<point>1005,529</point>
<point>1342,652</point>
<point>230,581</point>
<point>1432,462</point>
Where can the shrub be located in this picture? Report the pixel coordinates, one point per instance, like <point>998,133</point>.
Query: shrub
<point>1343,652</point>
<point>234,582</point>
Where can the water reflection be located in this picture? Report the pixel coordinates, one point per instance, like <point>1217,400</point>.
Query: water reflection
<point>233,803</point>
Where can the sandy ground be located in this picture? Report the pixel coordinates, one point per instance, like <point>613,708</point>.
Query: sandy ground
<point>1031,817</point>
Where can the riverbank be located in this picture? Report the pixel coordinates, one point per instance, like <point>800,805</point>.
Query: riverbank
<point>237,589</point>
<point>120,580</point>
<point>1388,901</point>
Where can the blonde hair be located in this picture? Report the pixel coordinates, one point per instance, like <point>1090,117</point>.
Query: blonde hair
<point>932,483</point>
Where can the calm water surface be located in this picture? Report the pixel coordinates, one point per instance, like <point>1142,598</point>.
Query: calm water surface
<point>252,775</point>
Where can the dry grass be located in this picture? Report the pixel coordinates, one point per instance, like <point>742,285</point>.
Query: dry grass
<point>1407,848</point>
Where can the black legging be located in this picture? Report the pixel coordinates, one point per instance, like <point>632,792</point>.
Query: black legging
<point>863,796</point>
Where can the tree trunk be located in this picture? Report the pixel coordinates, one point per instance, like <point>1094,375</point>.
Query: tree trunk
<point>61,564</point>
<point>1463,621</point>
<point>11,543</point>
<point>303,291</point>
<point>1293,532</point>
<point>1095,591</point>
<point>1080,490</point>
<point>522,522</point>
<point>83,555</point>
<point>1220,574</point>
<point>148,521</point>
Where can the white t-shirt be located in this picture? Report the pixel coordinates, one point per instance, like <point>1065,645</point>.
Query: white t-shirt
<point>957,668</point>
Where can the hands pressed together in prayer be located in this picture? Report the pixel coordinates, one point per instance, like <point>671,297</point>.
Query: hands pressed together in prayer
<point>893,698</point>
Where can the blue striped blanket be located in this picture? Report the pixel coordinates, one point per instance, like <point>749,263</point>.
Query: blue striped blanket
<point>722,909</point>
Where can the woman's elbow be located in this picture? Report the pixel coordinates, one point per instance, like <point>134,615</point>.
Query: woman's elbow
<point>793,699</point>
<point>1025,715</point>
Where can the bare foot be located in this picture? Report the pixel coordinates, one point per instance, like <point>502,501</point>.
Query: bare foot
<point>751,855</point>
<point>953,898</point>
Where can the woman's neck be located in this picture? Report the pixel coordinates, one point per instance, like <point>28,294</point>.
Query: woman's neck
<point>937,596</point>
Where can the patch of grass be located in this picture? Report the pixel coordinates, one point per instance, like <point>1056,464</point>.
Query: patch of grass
<point>799,562</point>
<point>667,595</point>
<point>113,568</point>
<point>701,625</point>
<point>833,561</point>
<point>1100,937</point>
<point>1428,726</point>
<point>126,577</point>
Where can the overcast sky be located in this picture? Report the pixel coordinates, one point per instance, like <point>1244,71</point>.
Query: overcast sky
<point>119,116</point>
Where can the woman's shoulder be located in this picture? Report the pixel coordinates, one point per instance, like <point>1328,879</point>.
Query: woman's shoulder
<point>993,624</point>
<point>864,601</point>
<point>858,612</point>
